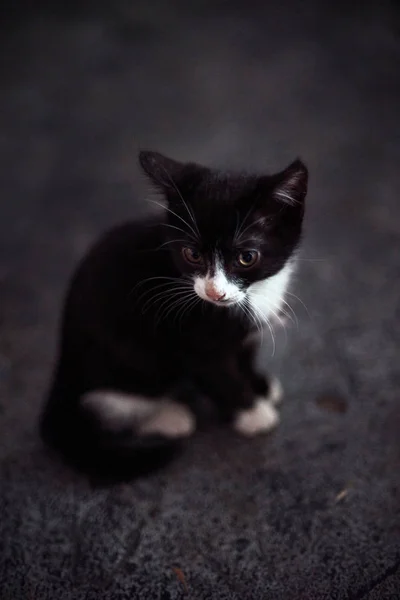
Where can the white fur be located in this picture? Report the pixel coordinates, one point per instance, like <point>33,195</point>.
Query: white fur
<point>275,392</point>
<point>262,417</point>
<point>231,292</point>
<point>117,408</point>
<point>172,420</point>
<point>147,416</point>
<point>267,296</point>
<point>285,197</point>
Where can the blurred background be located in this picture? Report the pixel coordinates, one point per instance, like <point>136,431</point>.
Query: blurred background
<point>252,85</point>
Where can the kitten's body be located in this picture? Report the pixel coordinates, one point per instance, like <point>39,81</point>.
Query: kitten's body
<point>139,337</point>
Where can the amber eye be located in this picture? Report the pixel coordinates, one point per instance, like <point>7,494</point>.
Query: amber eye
<point>192,256</point>
<point>248,258</point>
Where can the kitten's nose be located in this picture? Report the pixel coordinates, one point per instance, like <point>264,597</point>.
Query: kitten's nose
<point>214,294</point>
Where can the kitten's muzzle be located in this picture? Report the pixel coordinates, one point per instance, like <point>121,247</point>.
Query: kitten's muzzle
<point>214,294</point>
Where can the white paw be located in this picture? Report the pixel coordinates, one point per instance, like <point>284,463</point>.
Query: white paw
<point>262,417</point>
<point>172,420</point>
<point>275,394</point>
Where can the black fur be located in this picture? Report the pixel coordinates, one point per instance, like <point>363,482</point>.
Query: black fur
<point>116,335</point>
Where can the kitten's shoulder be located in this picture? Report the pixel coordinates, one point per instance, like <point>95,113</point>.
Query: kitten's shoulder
<point>120,256</point>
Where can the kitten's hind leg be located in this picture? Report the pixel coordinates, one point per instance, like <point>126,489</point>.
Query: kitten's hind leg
<point>145,416</point>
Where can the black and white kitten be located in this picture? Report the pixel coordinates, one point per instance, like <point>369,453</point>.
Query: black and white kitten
<point>163,309</point>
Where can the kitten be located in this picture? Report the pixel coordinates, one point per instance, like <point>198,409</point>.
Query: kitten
<point>164,309</point>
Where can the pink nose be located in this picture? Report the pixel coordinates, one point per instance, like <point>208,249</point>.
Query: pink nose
<point>214,294</point>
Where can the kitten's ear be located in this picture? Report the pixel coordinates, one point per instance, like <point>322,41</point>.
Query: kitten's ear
<point>290,186</point>
<point>163,171</point>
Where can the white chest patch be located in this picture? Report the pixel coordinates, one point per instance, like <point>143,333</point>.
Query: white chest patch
<point>267,296</point>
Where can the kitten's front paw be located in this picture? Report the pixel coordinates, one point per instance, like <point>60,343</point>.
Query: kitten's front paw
<point>173,420</point>
<point>262,417</point>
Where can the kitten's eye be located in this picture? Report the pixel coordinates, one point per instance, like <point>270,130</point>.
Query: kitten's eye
<point>192,256</point>
<point>248,258</point>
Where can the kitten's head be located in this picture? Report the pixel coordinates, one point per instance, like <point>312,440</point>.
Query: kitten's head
<point>235,235</point>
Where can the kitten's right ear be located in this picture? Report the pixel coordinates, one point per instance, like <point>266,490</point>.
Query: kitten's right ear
<point>163,171</point>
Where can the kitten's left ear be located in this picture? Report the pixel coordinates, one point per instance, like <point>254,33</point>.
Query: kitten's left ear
<point>163,171</point>
<point>290,185</point>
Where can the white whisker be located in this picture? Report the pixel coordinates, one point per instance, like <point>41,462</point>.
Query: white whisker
<point>183,200</point>
<point>195,234</point>
<point>248,227</point>
<point>256,319</point>
<point>187,309</point>
<point>312,259</point>
<point>240,232</point>
<point>176,241</point>
<point>153,289</point>
<point>179,229</point>
<point>173,306</point>
<point>282,324</point>
<point>295,319</point>
<point>248,314</point>
<point>265,319</point>
<point>301,302</point>
<point>165,294</point>
<point>143,281</point>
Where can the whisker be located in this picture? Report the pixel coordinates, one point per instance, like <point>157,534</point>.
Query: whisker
<point>170,242</point>
<point>157,287</point>
<point>261,321</point>
<point>312,259</point>
<point>295,321</point>
<point>282,310</point>
<point>240,232</point>
<point>265,319</point>
<point>188,308</point>
<point>166,306</point>
<point>183,200</point>
<point>237,227</point>
<point>177,307</point>
<point>282,324</point>
<point>165,295</point>
<point>301,302</point>
<point>164,313</point>
<point>196,235</point>
<point>248,227</point>
<point>143,281</point>
<point>248,314</point>
<point>169,306</point>
<point>272,337</point>
<point>180,229</point>
<point>277,317</point>
<point>161,295</point>
<point>256,320</point>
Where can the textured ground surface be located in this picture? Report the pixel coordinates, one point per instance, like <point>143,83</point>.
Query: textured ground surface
<point>313,511</point>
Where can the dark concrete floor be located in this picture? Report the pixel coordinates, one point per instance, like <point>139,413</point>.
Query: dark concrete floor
<point>313,511</point>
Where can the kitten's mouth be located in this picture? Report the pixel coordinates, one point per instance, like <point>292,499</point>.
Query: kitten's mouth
<point>223,302</point>
<point>226,302</point>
